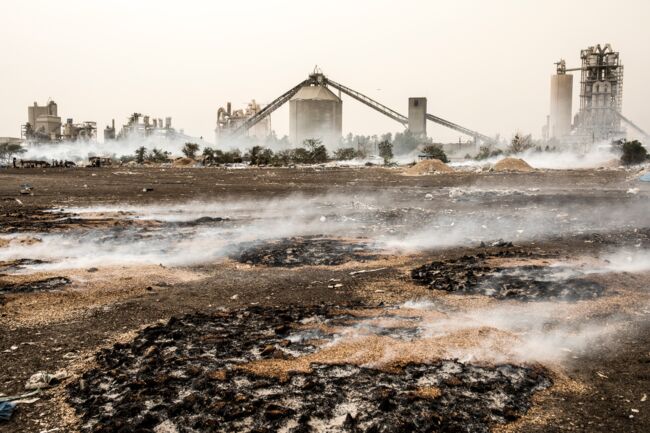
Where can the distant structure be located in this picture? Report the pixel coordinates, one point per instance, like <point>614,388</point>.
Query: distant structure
<point>601,95</point>
<point>315,112</point>
<point>418,116</point>
<point>228,121</point>
<point>559,123</point>
<point>149,127</point>
<point>44,125</point>
<point>601,100</point>
<point>109,131</point>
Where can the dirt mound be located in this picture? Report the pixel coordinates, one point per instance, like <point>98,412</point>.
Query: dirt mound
<point>190,375</point>
<point>513,164</point>
<point>472,275</point>
<point>183,162</point>
<point>428,166</point>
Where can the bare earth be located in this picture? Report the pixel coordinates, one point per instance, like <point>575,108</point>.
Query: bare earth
<point>600,387</point>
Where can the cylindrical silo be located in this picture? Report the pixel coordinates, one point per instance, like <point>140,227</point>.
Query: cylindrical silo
<point>561,100</point>
<point>315,113</point>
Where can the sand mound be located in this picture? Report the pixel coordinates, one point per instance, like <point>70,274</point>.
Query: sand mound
<point>428,166</point>
<point>512,164</point>
<point>183,162</point>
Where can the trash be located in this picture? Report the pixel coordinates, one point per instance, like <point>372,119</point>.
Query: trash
<point>42,379</point>
<point>234,297</point>
<point>428,196</point>
<point>147,189</point>
<point>26,189</point>
<point>323,218</point>
<point>632,191</point>
<point>365,271</point>
<point>645,177</point>
<point>20,398</point>
<point>6,410</point>
<point>644,398</point>
<point>602,375</point>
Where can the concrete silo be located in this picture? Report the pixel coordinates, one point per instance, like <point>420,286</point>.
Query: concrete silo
<point>315,112</point>
<point>561,102</point>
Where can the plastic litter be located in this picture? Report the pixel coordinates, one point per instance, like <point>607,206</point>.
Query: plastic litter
<point>6,410</point>
<point>645,177</point>
<point>43,379</point>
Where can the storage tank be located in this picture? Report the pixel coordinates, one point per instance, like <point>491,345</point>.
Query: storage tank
<point>315,113</point>
<point>561,102</point>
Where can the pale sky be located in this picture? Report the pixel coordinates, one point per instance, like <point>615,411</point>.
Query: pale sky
<point>482,64</point>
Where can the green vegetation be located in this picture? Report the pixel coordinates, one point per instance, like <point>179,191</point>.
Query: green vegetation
<point>190,150</point>
<point>434,151</point>
<point>633,152</point>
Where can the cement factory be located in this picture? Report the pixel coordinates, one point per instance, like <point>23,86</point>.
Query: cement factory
<point>600,115</point>
<point>316,112</point>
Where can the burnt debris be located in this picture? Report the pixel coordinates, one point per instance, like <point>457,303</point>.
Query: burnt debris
<point>301,251</point>
<point>472,275</point>
<point>47,284</point>
<point>186,376</point>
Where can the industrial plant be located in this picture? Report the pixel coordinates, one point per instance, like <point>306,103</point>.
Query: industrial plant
<point>44,125</point>
<point>600,115</point>
<point>316,113</point>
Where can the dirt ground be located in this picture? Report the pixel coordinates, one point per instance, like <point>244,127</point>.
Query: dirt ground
<point>602,387</point>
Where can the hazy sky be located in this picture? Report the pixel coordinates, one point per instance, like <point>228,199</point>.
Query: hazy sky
<point>482,64</point>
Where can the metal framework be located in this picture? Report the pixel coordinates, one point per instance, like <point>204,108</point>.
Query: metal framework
<point>318,78</point>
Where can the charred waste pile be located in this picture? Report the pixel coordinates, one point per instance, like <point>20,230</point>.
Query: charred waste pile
<point>197,373</point>
<point>305,250</point>
<point>472,274</point>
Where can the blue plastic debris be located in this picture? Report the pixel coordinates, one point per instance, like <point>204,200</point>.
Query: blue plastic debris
<point>6,409</point>
<point>645,177</point>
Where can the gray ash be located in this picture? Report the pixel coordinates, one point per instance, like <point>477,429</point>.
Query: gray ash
<point>183,376</point>
<point>471,275</point>
<point>301,251</point>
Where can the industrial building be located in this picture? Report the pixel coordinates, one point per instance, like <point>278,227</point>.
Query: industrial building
<point>315,113</point>
<point>44,125</point>
<point>229,120</point>
<point>148,127</point>
<point>601,100</point>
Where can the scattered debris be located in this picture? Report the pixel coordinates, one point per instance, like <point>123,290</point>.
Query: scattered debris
<point>42,379</point>
<point>6,410</point>
<point>366,271</point>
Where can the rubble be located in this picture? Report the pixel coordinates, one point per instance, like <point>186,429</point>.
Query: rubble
<point>471,275</point>
<point>188,375</point>
<point>301,251</point>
